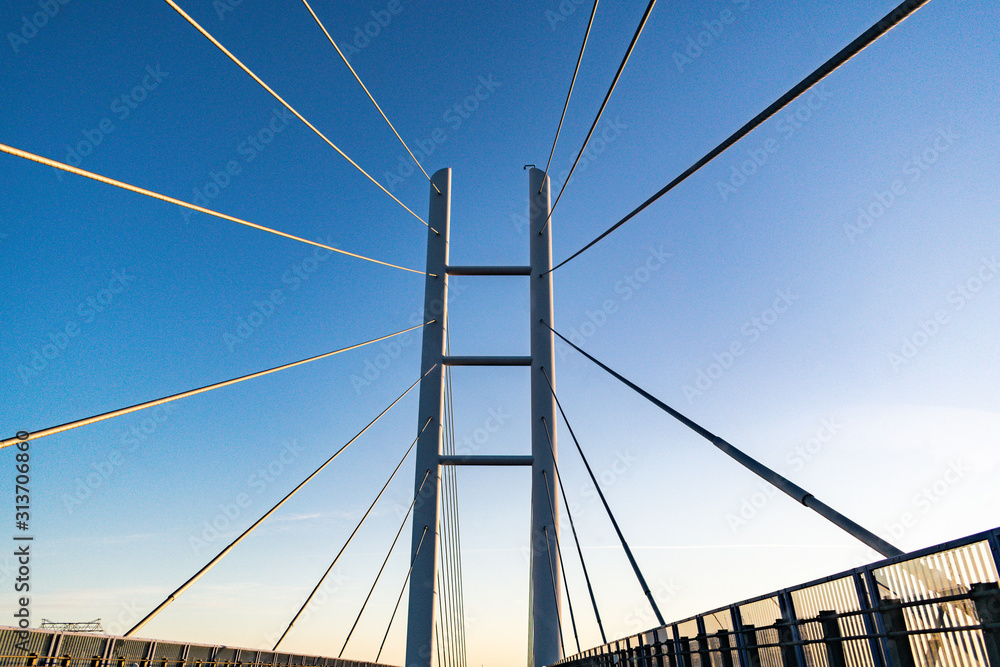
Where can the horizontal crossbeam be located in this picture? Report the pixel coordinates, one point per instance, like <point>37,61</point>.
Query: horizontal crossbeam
<point>489,270</point>
<point>459,460</point>
<point>487,361</point>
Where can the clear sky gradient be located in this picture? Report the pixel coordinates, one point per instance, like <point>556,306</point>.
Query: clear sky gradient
<point>824,295</point>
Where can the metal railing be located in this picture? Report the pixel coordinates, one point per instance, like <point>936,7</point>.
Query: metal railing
<point>44,648</point>
<point>936,607</point>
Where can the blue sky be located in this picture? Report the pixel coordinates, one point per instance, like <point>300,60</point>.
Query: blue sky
<point>865,214</point>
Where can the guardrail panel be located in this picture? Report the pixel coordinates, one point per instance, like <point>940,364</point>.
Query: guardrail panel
<point>936,607</point>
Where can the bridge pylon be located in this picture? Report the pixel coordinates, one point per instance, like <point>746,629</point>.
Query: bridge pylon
<point>545,594</point>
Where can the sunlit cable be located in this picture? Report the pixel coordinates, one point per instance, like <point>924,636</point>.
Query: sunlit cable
<point>187,584</point>
<point>452,543</point>
<point>451,489</point>
<point>52,430</point>
<point>572,83</point>
<point>288,106</point>
<point>562,564</point>
<point>555,591</point>
<point>17,152</point>
<point>400,598</point>
<point>389,553</point>
<point>614,82</point>
<point>354,532</point>
<point>365,88</point>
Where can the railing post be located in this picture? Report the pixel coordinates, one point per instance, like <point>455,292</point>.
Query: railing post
<point>900,652</point>
<point>423,579</point>
<point>657,653</point>
<point>643,652</point>
<point>704,655</point>
<point>724,647</point>
<point>788,656</point>
<point>738,636</point>
<point>868,618</point>
<point>871,601</point>
<point>986,596</point>
<point>681,658</point>
<point>830,623</point>
<point>788,631</point>
<point>670,653</point>
<point>685,651</point>
<point>750,646</point>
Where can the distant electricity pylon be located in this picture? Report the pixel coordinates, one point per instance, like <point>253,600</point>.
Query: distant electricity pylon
<point>86,626</point>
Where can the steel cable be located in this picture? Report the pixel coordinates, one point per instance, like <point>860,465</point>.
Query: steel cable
<point>866,39</point>
<point>17,152</point>
<point>351,536</point>
<point>187,584</point>
<point>288,106</point>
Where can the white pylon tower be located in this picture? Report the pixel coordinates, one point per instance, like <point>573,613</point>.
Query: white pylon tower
<point>545,596</point>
